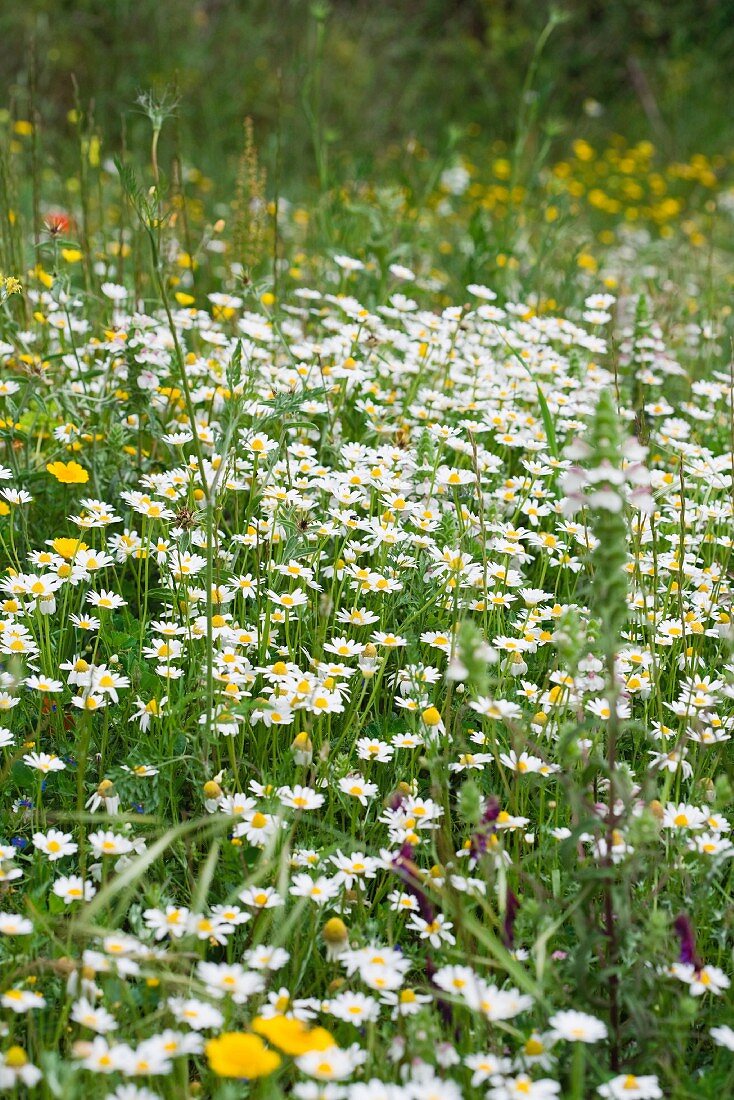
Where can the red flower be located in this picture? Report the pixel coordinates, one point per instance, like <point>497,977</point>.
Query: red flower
<point>57,223</point>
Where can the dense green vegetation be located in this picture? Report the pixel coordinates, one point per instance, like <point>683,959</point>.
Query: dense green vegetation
<point>358,78</point>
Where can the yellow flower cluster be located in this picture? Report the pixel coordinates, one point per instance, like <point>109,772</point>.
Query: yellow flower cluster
<point>244,1055</point>
<point>9,285</point>
<point>627,183</point>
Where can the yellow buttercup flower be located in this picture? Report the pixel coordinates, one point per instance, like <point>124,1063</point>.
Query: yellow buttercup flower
<point>43,276</point>
<point>292,1036</point>
<point>239,1054</point>
<point>68,473</point>
<point>67,548</point>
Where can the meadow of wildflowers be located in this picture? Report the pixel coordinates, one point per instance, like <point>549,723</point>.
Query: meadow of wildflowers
<point>365,630</point>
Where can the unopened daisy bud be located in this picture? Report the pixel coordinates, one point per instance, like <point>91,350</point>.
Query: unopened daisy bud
<point>335,936</point>
<point>335,986</point>
<point>212,790</point>
<point>105,795</point>
<point>368,660</point>
<point>518,667</point>
<point>656,809</point>
<point>302,749</point>
<point>335,930</point>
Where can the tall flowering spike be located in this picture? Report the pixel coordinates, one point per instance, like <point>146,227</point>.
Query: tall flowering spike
<point>610,580</point>
<point>612,475</point>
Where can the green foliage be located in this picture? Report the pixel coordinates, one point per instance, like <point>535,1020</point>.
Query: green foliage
<point>346,81</point>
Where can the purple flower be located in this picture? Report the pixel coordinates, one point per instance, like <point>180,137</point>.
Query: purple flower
<point>687,936</point>
<point>508,925</point>
<point>486,829</point>
<point>410,874</point>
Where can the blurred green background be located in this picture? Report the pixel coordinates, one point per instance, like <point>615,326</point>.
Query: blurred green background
<point>333,88</point>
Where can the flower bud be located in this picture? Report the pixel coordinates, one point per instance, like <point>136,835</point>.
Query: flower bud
<point>656,809</point>
<point>64,965</point>
<point>518,666</point>
<point>302,749</point>
<point>368,661</point>
<point>335,936</point>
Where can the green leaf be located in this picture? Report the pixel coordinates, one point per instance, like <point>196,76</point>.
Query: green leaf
<point>549,426</point>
